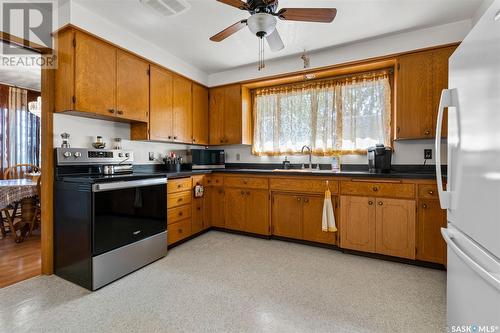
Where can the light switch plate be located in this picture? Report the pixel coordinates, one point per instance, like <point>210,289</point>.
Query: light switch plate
<point>151,156</point>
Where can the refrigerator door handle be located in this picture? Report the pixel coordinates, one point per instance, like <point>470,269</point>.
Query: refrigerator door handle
<point>448,99</point>
<point>486,275</point>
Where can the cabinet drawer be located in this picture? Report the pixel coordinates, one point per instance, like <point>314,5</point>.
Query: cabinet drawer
<point>214,180</point>
<point>198,180</point>
<point>178,213</point>
<point>378,189</point>
<point>427,191</point>
<point>178,199</point>
<point>303,185</point>
<point>246,182</point>
<point>179,185</point>
<point>178,231</point>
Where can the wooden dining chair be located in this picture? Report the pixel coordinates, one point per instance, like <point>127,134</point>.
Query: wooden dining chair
<point>37,217</point>
<point>19,170</point>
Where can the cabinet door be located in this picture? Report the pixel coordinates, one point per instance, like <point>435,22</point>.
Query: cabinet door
<point>132,87</point>
<point>232,114</point>
<point>287,215</point>
<point>197,217</point>
<point>216,116</point>
<point>95,75</point>
<point>214,206</point>
<point>312,216</point>
<point>234,208</point>
<point>182,108</point>
<point>395,222</point>
<point>161,117</point>
<point>200,115</point>
<point>414,112</point>
<point>440,71</point>
<point>357,229</point>
<point>257,212</point>
<point>430,244</point>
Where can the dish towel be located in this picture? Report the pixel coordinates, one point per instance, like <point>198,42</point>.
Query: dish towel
<point>328,222</point>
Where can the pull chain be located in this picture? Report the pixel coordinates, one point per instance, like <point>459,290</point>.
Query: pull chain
<point>261,64</point>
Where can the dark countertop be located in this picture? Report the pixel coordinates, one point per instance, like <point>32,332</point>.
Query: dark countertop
<point>401,172</point>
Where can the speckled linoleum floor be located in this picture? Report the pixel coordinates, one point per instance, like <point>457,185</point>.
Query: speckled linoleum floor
<point>222,282</point>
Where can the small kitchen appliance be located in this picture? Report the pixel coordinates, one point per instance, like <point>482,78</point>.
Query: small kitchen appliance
<point>379,159</point>
<point>208,159</point>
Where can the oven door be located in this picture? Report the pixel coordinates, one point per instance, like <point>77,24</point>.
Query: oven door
<point>128,211</point>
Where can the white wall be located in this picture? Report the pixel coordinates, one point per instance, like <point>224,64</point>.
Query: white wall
<point>407,41</point>
<point>405,152</point>
<point>83,132</point>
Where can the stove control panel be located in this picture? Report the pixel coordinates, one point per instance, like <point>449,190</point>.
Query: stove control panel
<point>83,156</point>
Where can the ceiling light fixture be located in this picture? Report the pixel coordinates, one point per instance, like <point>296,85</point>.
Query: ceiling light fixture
<point>261,25</point>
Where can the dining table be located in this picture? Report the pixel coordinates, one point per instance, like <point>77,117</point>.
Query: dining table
<point>19,193</point>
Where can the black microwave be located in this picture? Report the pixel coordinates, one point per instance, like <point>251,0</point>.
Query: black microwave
<point>207,159</point>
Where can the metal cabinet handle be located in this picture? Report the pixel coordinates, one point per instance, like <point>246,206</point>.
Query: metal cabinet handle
<point>306,200</point>
<point>424,206</point>
<point>248,192</point>
<point>428,132</point>
<point>111,110</point>
<point>198,208</point>
<point>175,138</point>
<point>242,192</point>
<point>375,188</point>
<point>179,200</point>
<point>119,111</point>
<point>431,192</point>
<point>179,186</point>
<point>180,213</point>
<point>298,199</point>
<point>180,231</point>
<point>380,203</point>
<point>370,202</point>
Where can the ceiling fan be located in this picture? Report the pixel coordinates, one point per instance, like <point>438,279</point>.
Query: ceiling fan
<point>262,21</point>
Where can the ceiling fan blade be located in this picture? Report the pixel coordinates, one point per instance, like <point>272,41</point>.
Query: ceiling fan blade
<point>324,15</point>
<point>275,42</point>
<point>229,31</point>
<point>236,3</point>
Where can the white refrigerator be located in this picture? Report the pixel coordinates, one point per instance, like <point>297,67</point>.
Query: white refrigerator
<point>472,193</point>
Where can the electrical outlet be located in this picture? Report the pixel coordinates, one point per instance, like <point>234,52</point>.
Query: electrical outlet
<point>238,156</point>
<point>151,156</point>
<point>427,154</point>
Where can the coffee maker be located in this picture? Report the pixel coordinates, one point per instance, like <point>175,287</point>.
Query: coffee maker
<point>379,159</point>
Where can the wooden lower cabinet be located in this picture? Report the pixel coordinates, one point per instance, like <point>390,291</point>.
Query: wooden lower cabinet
<point>312,216</point>
<point>357,229</point>
<point>178,231</point>
<point>257,212</point>
<point>300,216</point>
<point>197,218</point>
<point>378,225</point>
<point>214,206</point>
<point>234,208</point>
<point>430,244</point>
<point>286,215</point>
<point>395,228</point>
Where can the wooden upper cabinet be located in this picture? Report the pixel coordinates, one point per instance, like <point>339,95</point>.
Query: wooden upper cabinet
<point>132,87</point>
<point>357,230</point>
<point>312,217</point>
<point>216,116</point>
<point>230,115</point>
<point>94,76</point>
<point>430,244</point>
<point>161,95</point>
<point>286,215</point>
<point>182,110</point>
<point>421,77</point>
<point>395,235</point>
<point>200,115</point>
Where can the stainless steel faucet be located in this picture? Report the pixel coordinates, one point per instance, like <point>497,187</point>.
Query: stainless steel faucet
<point>310,156</point>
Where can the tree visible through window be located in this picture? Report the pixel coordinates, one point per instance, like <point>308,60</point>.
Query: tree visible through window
<point>338,116</point>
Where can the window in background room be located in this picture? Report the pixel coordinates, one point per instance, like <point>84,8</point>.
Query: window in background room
<point>336,116</point>
<point>19,128</point>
